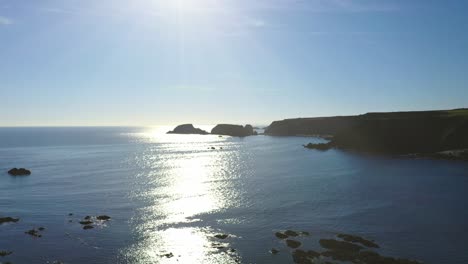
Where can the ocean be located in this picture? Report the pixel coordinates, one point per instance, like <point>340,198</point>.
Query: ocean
<point>168,196</point>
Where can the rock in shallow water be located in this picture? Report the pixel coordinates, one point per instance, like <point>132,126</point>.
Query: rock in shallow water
<point>19,172</point>
<point>33,232</point>
<point>304,257</point>
<point>103,217</point>
<point>339,245</point>
<point>221,236</point>
<point>291,233</point>
<point>4,253</point>
<point>281,235</point>
<point>358,239</point>
<point>293,243</point>
<point>8,220</point>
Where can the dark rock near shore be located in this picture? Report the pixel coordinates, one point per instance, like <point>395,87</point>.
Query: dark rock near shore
<point>103,217</point>
<point>333,244</point>
<point>221,236</point>
<point>19,172</point>
<point>233,130</point>
<point>4,253</point>
<point>187,129</point>
<point>33,232</point>
<point>319,146</point>
<point>168,255</point>
<point>8,220</point>
<point>291,233</point>
<point>358,239</point>
<point>86,222</point>
<point>281,235</point>
<point>293,243</point>
<point>86,227</point>
<point>274,251</point>
<point>304,257</point>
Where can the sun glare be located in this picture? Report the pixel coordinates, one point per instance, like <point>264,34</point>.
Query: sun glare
<point>188,6</point>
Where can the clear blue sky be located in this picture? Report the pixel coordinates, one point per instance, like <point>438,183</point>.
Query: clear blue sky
<point>150,62</point>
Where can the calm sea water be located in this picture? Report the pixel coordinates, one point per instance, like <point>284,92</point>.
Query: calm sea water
<point>173,193</point>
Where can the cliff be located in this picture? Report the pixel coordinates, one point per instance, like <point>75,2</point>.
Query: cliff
<point>310,126</point>
<point>396,132</point>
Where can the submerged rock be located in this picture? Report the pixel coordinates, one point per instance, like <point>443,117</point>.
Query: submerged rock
<point>87,217</point>
<point>339,245</point>
<point>41,228</point>
<point>274,251</point>
<point>33,232</point>
<point>340,250</point>
<point>19,172</point>
<point>4,253</point>
<point>8,220</point>
<point>358,239</point>
<point>187,129</point>
<point>281,235</point>
<point>86,227</point>
<point>87,222</point>
<point>304,257</point>
<point>293,243</point>
<point>364,257</point>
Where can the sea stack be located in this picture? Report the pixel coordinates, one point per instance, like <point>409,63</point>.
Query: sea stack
<point>233,130</point>
<point>187,129</point>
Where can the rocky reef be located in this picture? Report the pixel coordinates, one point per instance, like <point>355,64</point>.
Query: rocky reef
<point>187,129</point>
<point>350,249</point>
<point>389,133</point>
<point>233,130</point>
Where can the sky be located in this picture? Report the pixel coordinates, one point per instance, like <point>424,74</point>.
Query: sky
<point>153,62</point>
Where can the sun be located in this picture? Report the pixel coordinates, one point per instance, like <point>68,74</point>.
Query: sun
<point>187,6</point>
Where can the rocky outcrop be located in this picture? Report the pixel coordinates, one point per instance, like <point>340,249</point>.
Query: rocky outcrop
<point>19,172</point>
<point>187,129</point>
<point>233,130</point>
<point>406,132</point>
<point>393,133</point>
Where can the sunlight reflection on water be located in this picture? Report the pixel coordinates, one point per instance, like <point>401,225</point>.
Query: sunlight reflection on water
<point>190,179</point>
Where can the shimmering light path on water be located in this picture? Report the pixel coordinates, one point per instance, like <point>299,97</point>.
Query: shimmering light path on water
<point>169,195</point>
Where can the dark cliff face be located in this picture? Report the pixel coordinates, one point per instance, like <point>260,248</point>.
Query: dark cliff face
<point>397,133</point>
<point>187,129</point>
<point>233,130</point>
<point>403,133</point>
<point>310,126</point>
